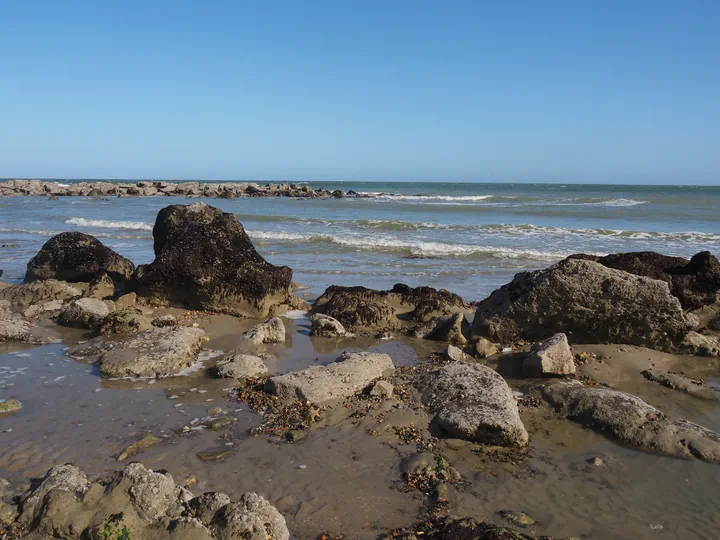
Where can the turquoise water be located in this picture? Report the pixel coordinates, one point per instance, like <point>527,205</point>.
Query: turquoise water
<point>482,234</point>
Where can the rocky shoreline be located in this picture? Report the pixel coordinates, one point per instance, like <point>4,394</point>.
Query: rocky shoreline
<point>463,396</point>
<point>224,190</point>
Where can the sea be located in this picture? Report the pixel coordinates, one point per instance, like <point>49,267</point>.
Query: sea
<point>469,238</point>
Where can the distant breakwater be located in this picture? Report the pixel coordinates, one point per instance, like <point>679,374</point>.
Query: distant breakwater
<point>229,190</point>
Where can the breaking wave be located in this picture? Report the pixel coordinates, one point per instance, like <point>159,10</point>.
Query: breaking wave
<point>107,224</point>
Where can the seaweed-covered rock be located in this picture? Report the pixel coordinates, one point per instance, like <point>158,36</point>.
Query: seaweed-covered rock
<point>75,256</point>
<point>38,292</point>
<point>587,301</point>
<point>205,260</point>
<point>632,421</point>
<point>695,282</point>
<point>83,313</point>
<point>473,402</point>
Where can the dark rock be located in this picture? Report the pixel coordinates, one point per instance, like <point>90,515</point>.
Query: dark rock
<point>588,302</point>
<point>74,257</point>
<point>205,260</point>
<point>695,282</point>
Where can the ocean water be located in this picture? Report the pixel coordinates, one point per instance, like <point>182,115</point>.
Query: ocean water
<point>472,237</point>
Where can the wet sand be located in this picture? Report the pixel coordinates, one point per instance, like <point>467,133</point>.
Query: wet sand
<point>343,478</point>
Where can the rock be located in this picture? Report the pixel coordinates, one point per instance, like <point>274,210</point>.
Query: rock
<point>632,421</point>
<point>61,478</point>
<point>38,292</point>
<point>205,260</point>
<point>295,435</point>
<point>159,352</point>
<point>326,326</point>
<point>8,513</point>
<point>402,307</point>
<point>485,347</point>
<point>165,321</point>
<point>146,442</point>
<point>83,313</point>
<point>271,331</point>
<point>680,382</point>
<point>14,328</point>
<point>127,300</point>
<point>455,354</point>
<point>695,283</point>
<point>151,493</point>
<point>37,310</point>
<point>206,505</point>
<point>11,405</point>
<point>449,329</point>
<point>74,256</point>
<point>702,345</point>
<point>127,320</point>
<point>549,357</point>
<point>519,519</point>
<point>589,302</point>
<point>101,287</point>
<point>252,518</point>
<point>473,402</point>
<point>596,461</point>
<point>241,366</point>
<point>350,373</point>
<point>381,389</point>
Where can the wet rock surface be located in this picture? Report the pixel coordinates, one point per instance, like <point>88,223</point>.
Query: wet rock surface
<point>326,326</point>
<point>473,402</point>
<point>74,257</point>
<point>83,313</point>
<point>681,383</point>
<point>204,259</point>
<point>38,292</point>
<point>127,320</point>
<point>350,373</point>
<point>587,301</point>
<point>631,420</point>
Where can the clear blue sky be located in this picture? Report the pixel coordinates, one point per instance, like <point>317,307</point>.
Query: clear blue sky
<point>572,91</point>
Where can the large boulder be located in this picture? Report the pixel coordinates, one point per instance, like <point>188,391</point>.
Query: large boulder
<point>74,257</point>
<point>549,357</point>
<point>350,373</point>
<point>38,292</point>
<point>695,282</point>
<point>632,421</point>
<point>159,352</point>
<point>587,301</point>
<point>473,402</point>
<point>205,260</point>
<point>400,308</point>
<point>83,313</point>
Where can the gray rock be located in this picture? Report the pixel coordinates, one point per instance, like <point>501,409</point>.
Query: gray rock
<point>83,313</point>
<point>271,331</point>
<point>38,292</point>
<point>127,320</point>
<point>61,478</point>
<point>350,373</point>
<point>681,383</point>
<point>549,357</point>
<point>159,352</point>
<point>447,329</point>
<point>151,493</point>
<point>382,389</point>
<point>700,344</point>
<point>101,287</point>
<point>206,505</point>
<point>326,326</point>
<point>632,421</point>
<point>589,302</point>
<point>485,347</point>
<point>455,354</point>
<point>164,321</point>
<point>37,310</point>
<point>473,402</point>
<point>251,518</point>
<point>241,366</point>
<point>127,300</point>
<point>14,328</point>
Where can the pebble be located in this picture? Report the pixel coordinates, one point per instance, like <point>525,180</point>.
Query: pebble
<point>174,396</point>
<point>302,467</point>
<point>97,390</point>
<point>178,405</point>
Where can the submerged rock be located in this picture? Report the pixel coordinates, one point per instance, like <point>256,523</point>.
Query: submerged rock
<point>473,402</point>
<point>270,331</point>
<point>11,405</point>
<point>241,366</point>
<point>146,442</point>
<point>549,357</point>
<point>349,374</point>
<point>326,326</point>
<point>632,421</point>
<point>75,256</point>
<point>205,260</point>
<point>682,383</point>
<point>83,313</point>
<point>589,302</point>
<point>38,292</point>
<point>159,352</point>
<point>695,282</point>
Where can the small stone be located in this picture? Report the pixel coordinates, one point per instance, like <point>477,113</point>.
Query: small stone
<point>596,462</point>
<point>382,389</point>
<point>303,467</point>
<point>295,435</point>
<point>455,354</point>
<point>485,347</point>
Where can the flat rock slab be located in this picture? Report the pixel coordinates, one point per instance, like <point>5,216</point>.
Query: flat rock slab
<point>681,383</point>
<point>38,292</point>
<point>240,366</point>
<point>473,402</point>
<point>349,374</point>
<point>632,421</point>
<point>159,352</point>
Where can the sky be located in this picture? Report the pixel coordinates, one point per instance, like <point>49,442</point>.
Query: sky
<point>400,90</point>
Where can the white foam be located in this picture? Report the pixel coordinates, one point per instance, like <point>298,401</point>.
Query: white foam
<point>398,197</point>
<point>108,224</point>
